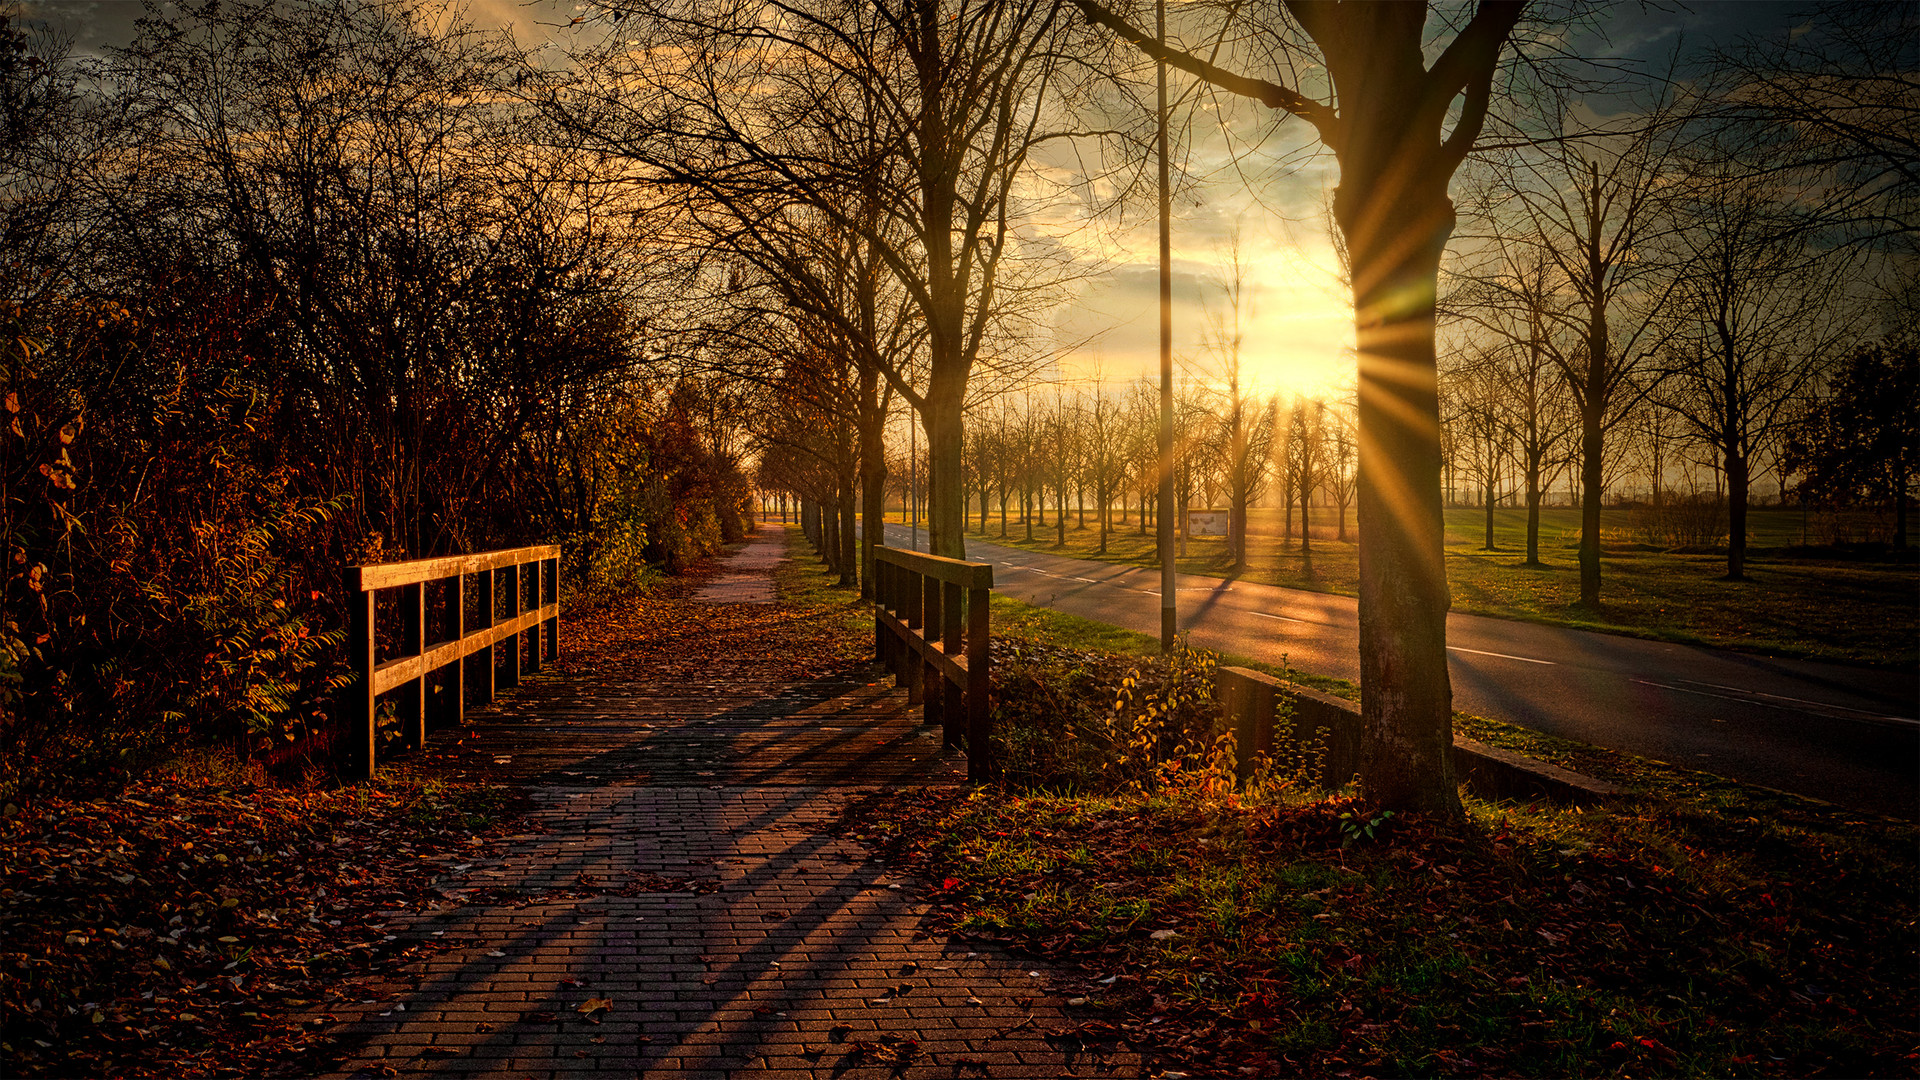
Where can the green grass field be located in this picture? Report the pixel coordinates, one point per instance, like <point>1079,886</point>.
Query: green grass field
<point>1858,612</point>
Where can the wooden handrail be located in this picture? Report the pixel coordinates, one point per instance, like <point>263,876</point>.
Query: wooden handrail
<point>930,627</point>
<point>531,625</point>
<point>967,575</point>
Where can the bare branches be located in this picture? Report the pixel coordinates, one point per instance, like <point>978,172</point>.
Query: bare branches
<point>1271,94</point>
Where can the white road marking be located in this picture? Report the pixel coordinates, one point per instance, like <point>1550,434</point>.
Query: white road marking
<point>1088,580</point>
<point>1282,618</point>
<point>1867,716</point>
<point>1501,655</point>
<point>1803,701</point>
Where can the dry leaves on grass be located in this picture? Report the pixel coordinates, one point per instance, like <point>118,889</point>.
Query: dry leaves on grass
<point>1249,937</point>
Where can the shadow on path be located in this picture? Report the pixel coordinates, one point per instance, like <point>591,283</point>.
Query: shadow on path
<point>685,866</point>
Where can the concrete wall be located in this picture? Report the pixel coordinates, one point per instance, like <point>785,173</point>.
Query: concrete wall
<point>1323,739</point>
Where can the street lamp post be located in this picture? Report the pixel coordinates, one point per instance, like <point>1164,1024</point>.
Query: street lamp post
<point>913,481</point>
<point>1163,521</point>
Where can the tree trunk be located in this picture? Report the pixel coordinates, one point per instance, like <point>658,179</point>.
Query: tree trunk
<point>1060,507</point>
<point>1488,544</point>
<point>1384,204</point>
<point>1237,525</point>
<point>849,553</point>
<point>1306,538</point>
<point>1590,480</point>
<point>946,476</point>
<point>1533,510</point>
<point>1737,480</point>
<point>873,477</point>
<point>829,533</point>
<point>1103,514</point>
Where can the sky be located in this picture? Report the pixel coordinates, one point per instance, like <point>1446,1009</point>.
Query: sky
<point>1255,182</point>
<point>1298,330</point>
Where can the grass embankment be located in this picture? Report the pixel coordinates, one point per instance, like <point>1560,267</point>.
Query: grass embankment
<point>1857,612</point>
<point>1703,928</point>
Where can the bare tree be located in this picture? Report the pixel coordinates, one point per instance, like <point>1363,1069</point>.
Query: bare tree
<point>1342,456</point>
<point>1591,204</point>
<point>1754,313</point>
<point>1477,412</point>
<point>1306,460</point>
<point>939,109</point>
<point>1398,140</point>
<point>1246,426</point>
<point>1833,107</point>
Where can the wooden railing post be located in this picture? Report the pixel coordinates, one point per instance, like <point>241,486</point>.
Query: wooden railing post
<point>456,623</point>
<point>357,704</point>
<point>553,597</point>
<point>932,679</point>
<point>530,599</point>
<point>978,767</point>
<point>931,626</point>
<point>881,576</point>
<point>953,643</point>
<point>510,666</point>
<point>433,641</point>
<point>486,681</point>
<point>411,701</point>
<point>912,669</point>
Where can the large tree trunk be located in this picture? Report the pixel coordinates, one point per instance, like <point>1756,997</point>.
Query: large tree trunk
<point>1397,222</point>
<point>946,476</point>
<point>1590,484</point>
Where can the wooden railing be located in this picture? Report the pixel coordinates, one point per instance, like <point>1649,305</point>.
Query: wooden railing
<point>517,593</point>
<point>930,629</point>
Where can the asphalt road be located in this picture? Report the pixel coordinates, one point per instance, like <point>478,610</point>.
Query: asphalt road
<point>1845,734</point>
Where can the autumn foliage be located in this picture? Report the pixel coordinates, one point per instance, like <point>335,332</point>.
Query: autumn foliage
<point>375,329</point>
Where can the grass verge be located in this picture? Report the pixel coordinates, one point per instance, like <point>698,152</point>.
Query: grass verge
<point>1705,928</point>
<point>1240,935</point>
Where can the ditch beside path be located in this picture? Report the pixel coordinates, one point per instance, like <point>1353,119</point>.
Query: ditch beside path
<point>684,902</point>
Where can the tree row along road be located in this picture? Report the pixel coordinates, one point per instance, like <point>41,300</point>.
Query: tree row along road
<point>1844,734</point>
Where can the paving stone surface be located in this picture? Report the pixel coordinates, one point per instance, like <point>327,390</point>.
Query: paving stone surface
<point>687,869</point>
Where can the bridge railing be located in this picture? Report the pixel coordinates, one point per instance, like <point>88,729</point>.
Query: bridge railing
<point>930,628</point>
<point>517,595</point>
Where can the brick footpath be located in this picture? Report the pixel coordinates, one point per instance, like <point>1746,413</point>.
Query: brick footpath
<point>687,871</point>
